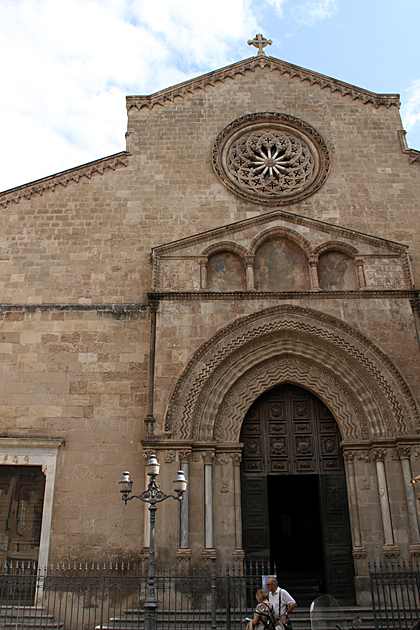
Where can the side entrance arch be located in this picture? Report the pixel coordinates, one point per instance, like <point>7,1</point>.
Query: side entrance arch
<point>294,499</point>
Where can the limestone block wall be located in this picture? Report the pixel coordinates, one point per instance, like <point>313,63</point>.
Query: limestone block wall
<point>80,376</point>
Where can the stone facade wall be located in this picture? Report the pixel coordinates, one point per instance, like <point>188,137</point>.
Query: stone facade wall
<point>77,371</point>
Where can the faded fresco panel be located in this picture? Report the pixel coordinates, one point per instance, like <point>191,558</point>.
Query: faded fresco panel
<point>281,265</point>
<point>337,272</point>
<point>226,272</point>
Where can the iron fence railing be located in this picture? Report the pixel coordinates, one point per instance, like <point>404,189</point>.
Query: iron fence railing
<point>395,595</point>
<point>82,597</point>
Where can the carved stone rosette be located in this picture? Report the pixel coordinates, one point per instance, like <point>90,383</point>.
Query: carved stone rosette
<point>271,158</point>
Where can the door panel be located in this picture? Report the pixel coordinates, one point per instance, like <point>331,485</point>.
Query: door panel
<point>337,541</point>
<point>290,432</point>
<point>255,517</point>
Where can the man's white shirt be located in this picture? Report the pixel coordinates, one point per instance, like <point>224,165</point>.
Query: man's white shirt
<point>286,601</point>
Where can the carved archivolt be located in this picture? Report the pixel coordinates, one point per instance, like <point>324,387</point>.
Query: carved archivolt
<point>281,232</point>
<point>353,421</point>
<point>357,381</point>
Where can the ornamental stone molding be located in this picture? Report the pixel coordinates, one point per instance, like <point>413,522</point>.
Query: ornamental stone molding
<point>269,64</point>
<point>356,380</point>
<point>271,158</point>
<point>40,186</point>
<point>284,232</point>
<point>353,423</point>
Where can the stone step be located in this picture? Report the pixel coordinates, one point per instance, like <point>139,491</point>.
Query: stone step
<point>133,619</point>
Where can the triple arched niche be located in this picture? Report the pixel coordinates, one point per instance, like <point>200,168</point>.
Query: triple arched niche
<point>282,260</point>
<point>369,397</point>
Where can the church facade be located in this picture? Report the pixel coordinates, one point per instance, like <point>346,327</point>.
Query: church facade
<point>235,293</point>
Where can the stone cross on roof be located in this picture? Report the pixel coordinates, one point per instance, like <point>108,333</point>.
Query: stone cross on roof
<point>260,42</point>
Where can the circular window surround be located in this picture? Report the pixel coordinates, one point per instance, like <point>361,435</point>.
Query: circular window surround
<point>301,134</point>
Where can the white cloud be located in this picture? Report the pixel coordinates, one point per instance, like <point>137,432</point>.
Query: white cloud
<point>313,11</point>
<point>410,112</point>
<point>278,6</point>
<point>71,63</point>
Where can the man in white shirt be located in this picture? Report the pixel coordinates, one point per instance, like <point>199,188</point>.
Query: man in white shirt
<point>282,602</point>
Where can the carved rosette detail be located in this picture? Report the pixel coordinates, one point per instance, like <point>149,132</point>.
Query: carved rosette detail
<point>270,162</point>
<point>271,158</point>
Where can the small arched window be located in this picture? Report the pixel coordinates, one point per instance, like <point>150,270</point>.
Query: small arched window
<point>337,272</point>
<point>281,265</point>
<point>226,272</point>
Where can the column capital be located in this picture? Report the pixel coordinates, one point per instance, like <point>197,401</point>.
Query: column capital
<point>378,454</point>
<point>403,451</point>
<point>236,458</point>
<point>208,457</point>
<point>148,452</point>
<point>349,455</point>
<point>184,456</point>
<point>313,260</point>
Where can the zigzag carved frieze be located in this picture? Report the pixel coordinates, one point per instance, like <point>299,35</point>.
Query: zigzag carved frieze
<point>40,186</point>
<point>266,375</point>
<point>286,347</point>
<point>299,320</point>
<point>271,64</point>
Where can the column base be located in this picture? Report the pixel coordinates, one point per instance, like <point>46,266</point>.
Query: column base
<point>390,551</point>
<point>238,554</point>
<point>208,553</point>
<point>359,552</point>
<point>183,553</point>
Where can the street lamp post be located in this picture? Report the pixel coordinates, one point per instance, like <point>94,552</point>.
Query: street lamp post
<point>152,495</point>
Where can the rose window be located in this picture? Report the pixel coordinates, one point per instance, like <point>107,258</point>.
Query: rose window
<point>271,158</point>
<point>270,162</point>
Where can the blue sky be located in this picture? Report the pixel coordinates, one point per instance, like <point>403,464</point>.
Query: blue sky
<point>68,64</point>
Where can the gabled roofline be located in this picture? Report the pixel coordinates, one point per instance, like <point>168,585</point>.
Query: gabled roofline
<point>271,63</point>
<point>39,186</point>
<point>297,219</point>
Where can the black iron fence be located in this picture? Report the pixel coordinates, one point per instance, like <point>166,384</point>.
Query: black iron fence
<point>395,595</point>
<point>82,597</point>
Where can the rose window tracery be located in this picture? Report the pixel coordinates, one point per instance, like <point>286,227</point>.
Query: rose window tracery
<point>270,162</point>
<point>271,158</point>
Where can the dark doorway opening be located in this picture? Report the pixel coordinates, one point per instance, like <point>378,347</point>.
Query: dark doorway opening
<point>295,523</point>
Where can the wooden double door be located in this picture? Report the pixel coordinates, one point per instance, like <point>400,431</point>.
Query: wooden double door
<point>294,498</point>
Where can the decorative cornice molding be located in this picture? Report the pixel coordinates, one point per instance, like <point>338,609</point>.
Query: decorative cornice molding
<point>161,296</point>
<point>116,310</point>
<point>413,154</point>
<point>282,215</point>
<point>40,186</point>
<point>272,65</point>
